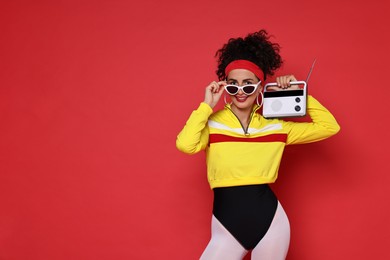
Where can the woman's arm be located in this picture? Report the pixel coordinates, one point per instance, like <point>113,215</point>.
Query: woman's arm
<point>323,125</point>
<point>194,136</point>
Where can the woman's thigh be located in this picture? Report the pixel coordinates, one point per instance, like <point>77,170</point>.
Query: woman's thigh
<point>274,245</point>
<point>222,244</point>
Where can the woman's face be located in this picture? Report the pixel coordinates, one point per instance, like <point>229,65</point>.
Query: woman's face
<point>241,77</point>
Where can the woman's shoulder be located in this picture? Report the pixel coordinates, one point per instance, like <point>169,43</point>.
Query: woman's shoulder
<point>220,113</point>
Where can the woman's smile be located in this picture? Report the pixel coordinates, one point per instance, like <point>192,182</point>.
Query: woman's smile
<point>241,98</point>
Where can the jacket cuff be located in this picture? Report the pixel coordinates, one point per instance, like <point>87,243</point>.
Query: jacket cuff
<point>205,108</point>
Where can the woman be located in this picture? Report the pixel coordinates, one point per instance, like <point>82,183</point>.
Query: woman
<point>244,149</point>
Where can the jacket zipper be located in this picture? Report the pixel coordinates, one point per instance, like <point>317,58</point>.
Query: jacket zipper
<point>250,119</point>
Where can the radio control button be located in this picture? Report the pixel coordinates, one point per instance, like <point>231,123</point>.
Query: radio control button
<point>297,108</point>
<point>297,100</point>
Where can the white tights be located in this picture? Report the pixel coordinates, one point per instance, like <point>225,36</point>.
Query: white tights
<point>273,246</point>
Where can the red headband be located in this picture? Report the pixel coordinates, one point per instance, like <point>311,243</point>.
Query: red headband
<point>245,64</point>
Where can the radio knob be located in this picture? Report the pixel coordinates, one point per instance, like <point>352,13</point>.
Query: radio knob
<point>297,108</point>
<point>297,100</point>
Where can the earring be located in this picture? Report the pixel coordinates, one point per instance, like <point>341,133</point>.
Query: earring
<point>224,99</point>
<point>262,99</point>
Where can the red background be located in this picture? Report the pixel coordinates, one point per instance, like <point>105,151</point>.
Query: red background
<point>93,94</point>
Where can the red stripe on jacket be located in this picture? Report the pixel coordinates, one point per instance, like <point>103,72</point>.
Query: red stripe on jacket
<point>218,138</point>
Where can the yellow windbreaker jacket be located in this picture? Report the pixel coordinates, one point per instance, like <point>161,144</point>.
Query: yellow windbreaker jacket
<point>236,156</point>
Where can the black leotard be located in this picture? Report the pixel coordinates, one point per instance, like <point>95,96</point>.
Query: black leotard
<point>245,211</point>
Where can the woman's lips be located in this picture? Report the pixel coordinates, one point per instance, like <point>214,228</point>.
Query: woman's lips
<point>241,98</point>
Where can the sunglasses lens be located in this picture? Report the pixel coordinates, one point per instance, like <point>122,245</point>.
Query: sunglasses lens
<point>232,90</point>
<point>248,89</point>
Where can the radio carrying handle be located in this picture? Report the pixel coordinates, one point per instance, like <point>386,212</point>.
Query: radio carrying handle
<point>273,84</point>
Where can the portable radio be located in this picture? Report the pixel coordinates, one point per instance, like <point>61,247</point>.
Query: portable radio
<point>285,103</point>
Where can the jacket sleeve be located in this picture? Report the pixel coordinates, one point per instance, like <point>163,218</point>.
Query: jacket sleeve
<point>323,125</point>
<point>194,137</point>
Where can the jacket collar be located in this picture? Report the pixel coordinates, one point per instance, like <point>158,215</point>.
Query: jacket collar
<point>255,108</point>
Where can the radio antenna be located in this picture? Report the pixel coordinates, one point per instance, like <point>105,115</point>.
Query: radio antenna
<point>311,69</point>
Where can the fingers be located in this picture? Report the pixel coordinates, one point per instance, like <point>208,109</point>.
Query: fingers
<point>216,87</point>
<point>284,81</point>
<point>214,92</point>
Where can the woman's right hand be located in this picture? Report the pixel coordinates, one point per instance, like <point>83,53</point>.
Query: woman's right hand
<point>214,92</point>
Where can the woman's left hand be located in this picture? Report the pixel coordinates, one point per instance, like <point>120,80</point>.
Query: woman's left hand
<point>284,83</point>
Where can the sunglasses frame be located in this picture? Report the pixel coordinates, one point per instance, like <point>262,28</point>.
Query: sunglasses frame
<point>242,88</point>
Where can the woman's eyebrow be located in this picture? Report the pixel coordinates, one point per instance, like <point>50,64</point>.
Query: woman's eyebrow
<point>231,80</point>
<point>248,79</point>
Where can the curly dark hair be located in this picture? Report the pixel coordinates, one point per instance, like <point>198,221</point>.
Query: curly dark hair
<point>255,47</point>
